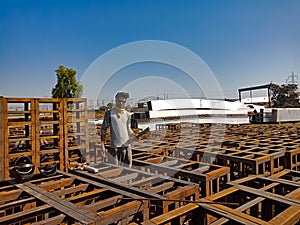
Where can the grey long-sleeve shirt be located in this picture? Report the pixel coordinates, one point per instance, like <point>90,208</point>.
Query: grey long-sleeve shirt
<point>120,130</point>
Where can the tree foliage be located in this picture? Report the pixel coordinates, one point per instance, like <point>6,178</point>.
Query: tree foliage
<point>102,108</point>
<point>108,106</point>
<point>284,96</point>
<point>67,86</point>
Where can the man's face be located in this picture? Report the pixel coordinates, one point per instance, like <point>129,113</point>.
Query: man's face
<point>120,102</point>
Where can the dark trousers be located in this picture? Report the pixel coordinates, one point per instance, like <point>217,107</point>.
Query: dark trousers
<point>121,156</point>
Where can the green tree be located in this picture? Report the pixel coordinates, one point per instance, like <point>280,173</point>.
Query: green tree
<point>67,86</point>
<point>284,96</point>
<point>102,108</point>
<point>109,105</point>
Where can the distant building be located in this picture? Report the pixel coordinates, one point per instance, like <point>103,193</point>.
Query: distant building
<point>256,100</point>
<point>266,101</point>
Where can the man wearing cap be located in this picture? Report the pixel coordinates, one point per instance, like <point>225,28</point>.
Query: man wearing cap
<point>119,121</point>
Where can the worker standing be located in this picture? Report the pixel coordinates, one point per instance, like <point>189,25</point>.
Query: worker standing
<point>118,119</point>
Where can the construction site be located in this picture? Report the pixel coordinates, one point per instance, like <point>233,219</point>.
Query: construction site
<point>184,173</point>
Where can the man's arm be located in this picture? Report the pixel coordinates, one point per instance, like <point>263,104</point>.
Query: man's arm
<point>129,130</point>
<point>103,137</point>
<point>104,126</point>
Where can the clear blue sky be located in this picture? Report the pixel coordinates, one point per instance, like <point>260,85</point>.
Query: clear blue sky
<point>244,42</point>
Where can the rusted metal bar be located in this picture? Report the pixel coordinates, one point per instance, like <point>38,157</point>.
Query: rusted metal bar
<point>51,221</point>
<point>186,201</point>
<point>208,178</point>
<point>19,216</point>
<point>62,205</point>
<point>178,214</point>
<point>2,138</point>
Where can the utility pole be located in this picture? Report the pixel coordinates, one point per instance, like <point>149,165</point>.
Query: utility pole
<point>292,79</point>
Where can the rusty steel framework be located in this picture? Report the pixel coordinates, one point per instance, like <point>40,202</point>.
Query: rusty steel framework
<point>47,132</point>
<point>185,174</point>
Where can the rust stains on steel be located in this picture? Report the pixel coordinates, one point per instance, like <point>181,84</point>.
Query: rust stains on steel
<point>183,201</point>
